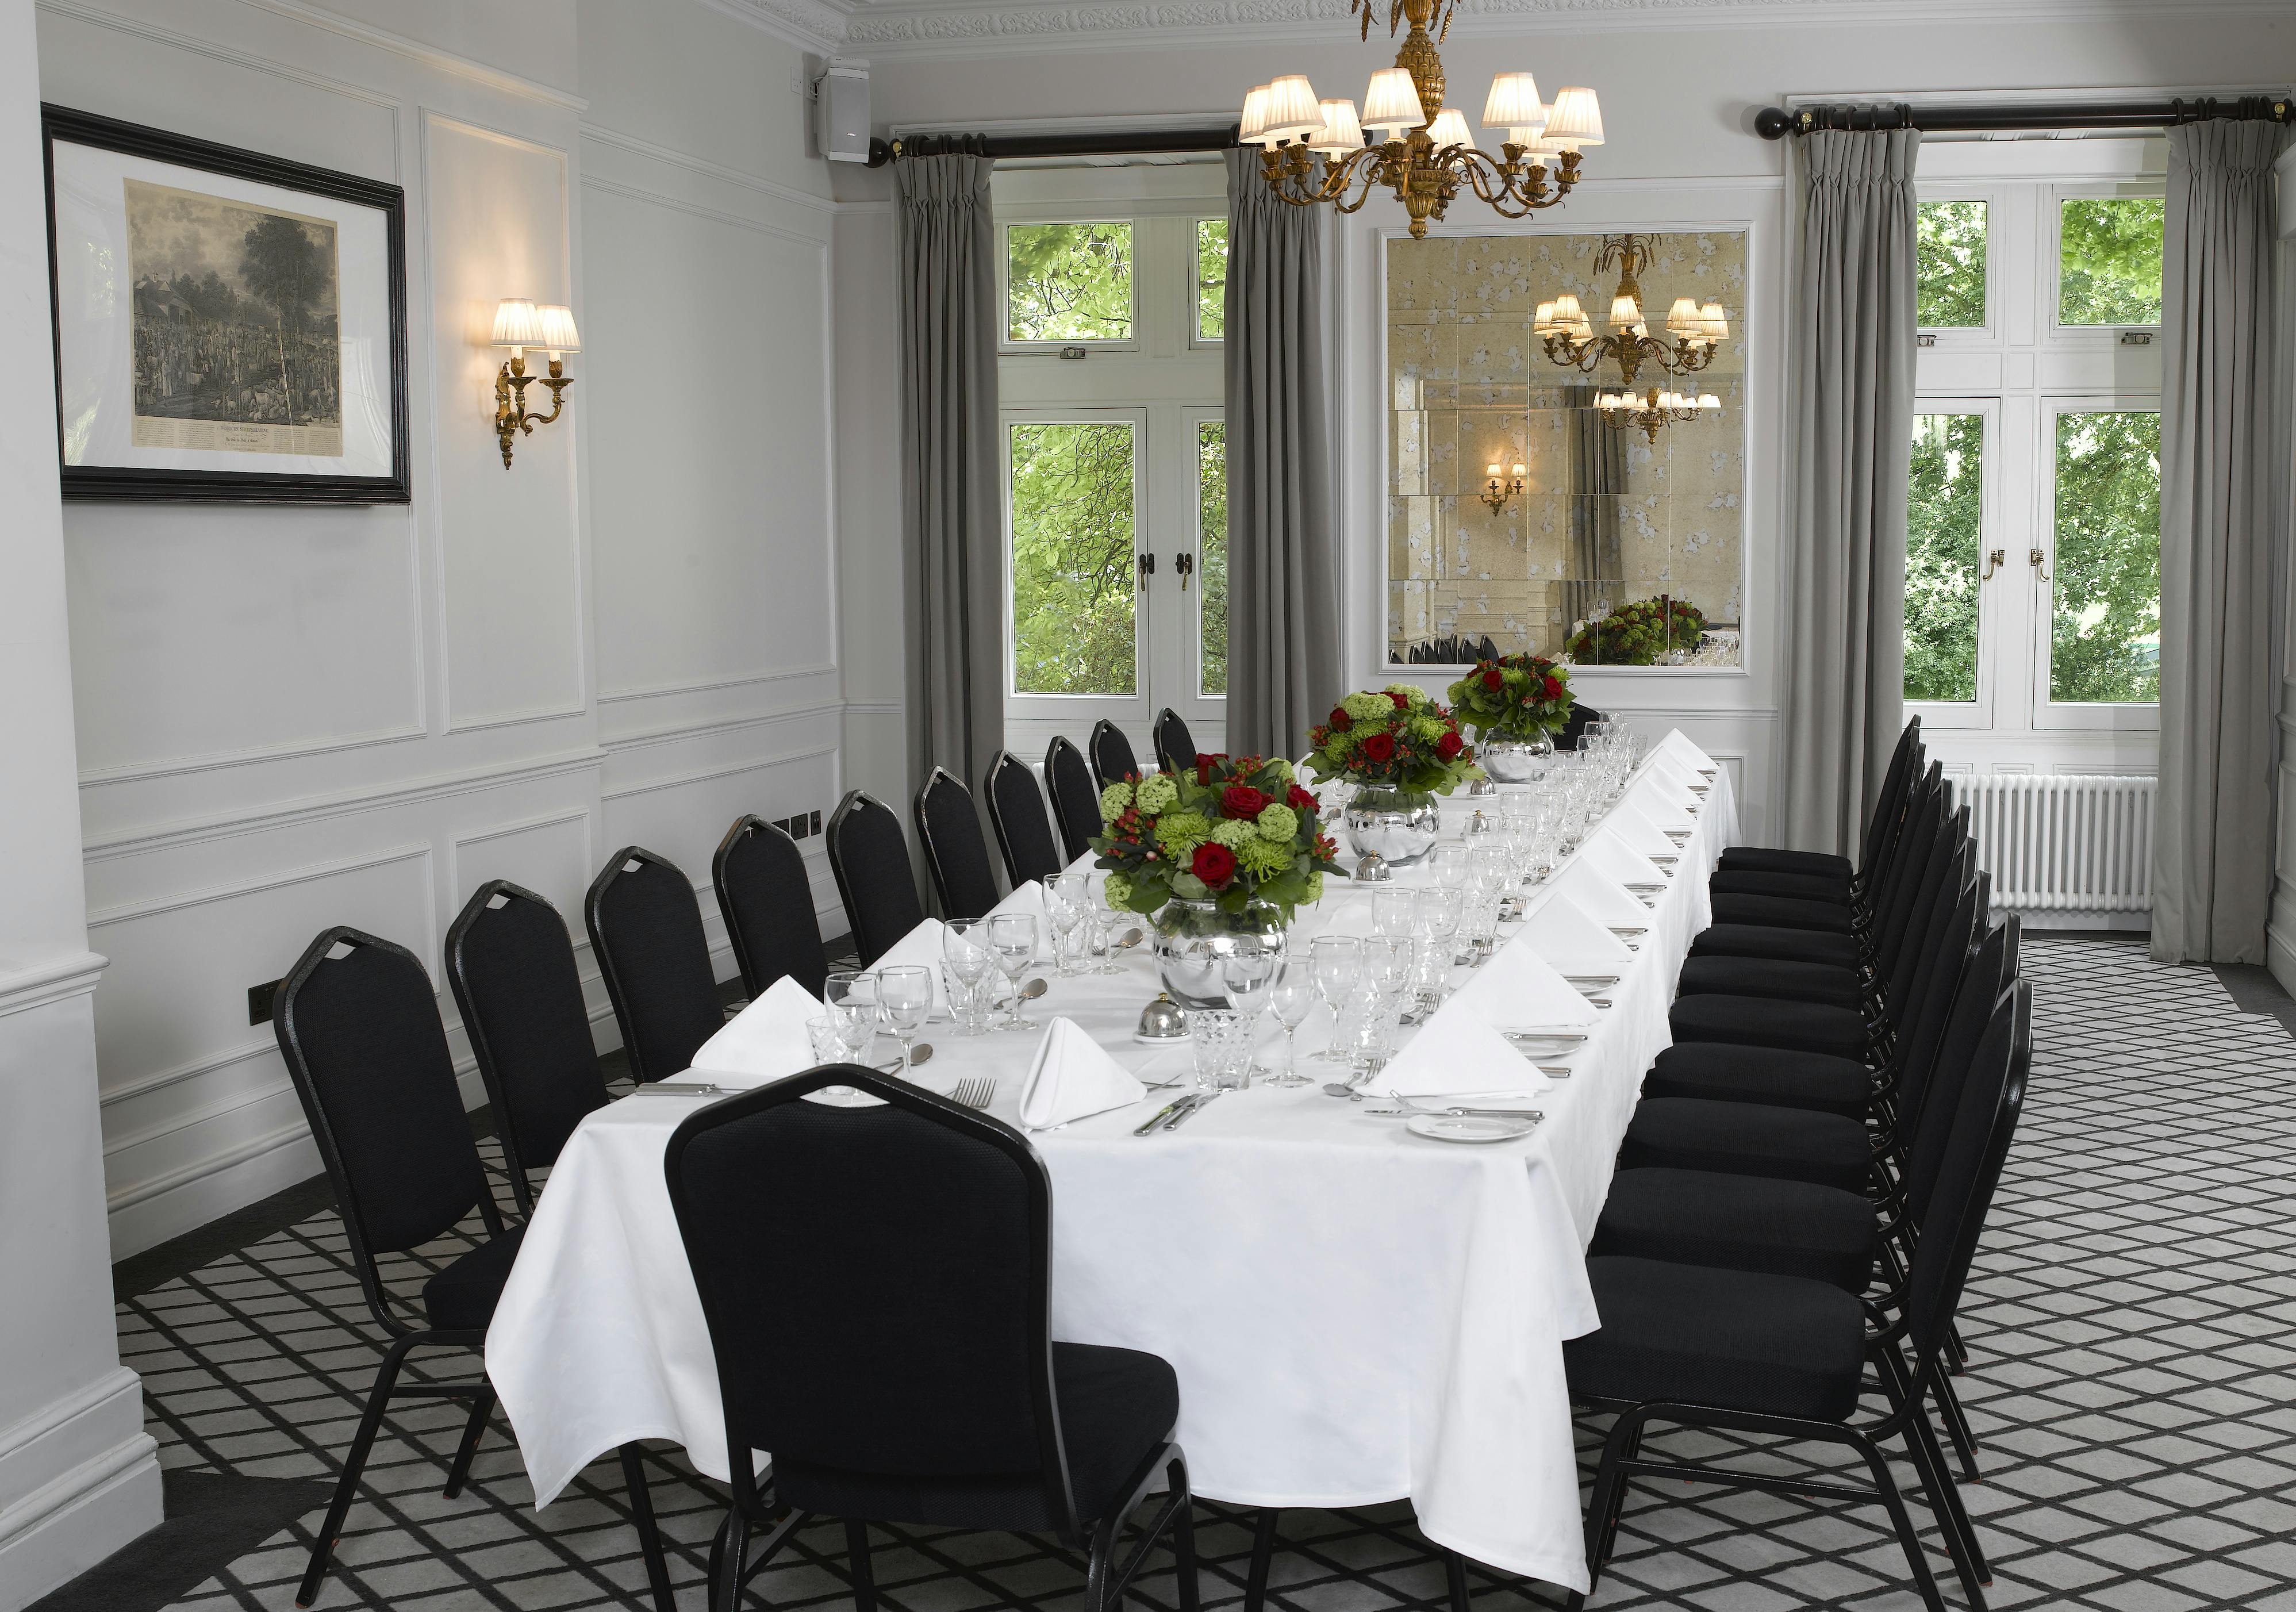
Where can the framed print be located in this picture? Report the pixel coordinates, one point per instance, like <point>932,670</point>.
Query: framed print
<point>229,327</point>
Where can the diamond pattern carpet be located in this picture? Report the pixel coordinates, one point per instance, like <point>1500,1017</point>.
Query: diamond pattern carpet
<point>2132,1325</point>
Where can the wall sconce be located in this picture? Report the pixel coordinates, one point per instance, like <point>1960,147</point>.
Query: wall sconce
<point>1498,489</point>
<point>520,325</point>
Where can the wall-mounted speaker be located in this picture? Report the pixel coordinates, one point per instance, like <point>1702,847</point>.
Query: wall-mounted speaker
<point>841,112</point>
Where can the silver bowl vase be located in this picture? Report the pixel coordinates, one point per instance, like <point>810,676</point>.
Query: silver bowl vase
<point>1195,939</point>
<point>1398,827</point>
<point>1515,761</point>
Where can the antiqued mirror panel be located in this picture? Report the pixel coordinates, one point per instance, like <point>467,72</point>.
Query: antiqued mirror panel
<point>1536,505</point>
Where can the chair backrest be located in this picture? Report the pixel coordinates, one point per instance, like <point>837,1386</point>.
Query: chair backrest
<point>1922,1017</point>
<point>895,1326</point>
<point>1111,753</point>
<point>1889,805</point>
<point>512,965</point>
<point>358,1026</point>
<point>1919,836</point>
<point>1175,748</point>
<point>1076,798</point>
<point>1016,811</point>
<point>956,853</point>
<point>869,855</point>
<point>1969,1165</point>
<point>765,897</point>
<point>1952,869</point>
<point>646,927</point>
<point>1575,724</point>
<point>1927,1109</point>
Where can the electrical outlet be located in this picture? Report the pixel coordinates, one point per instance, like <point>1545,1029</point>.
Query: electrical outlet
<point>259,998</point>
<point>813,823</point>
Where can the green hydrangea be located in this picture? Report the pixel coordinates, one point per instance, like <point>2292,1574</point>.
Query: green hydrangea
<point>1232,834</point>
<point>1178,832</point>
<point>1113,800</point>
<point>1426,729</point>
<point>1412,694</point>
<point>1154,793</point>
<point>1261,860</point>
<point>1277,823</point>
<point>1280,770</point>
<point>1315,886</point>
<point>1119,891</point>
<point>1366,707</point>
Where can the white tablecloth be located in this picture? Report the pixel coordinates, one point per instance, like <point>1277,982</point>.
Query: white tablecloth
<point>1355,1314</point>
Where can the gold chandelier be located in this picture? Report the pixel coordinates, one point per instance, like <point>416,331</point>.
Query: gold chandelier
<point>1572,341</point>
<point>1313,150</point>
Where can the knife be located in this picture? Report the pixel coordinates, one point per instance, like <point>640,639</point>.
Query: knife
<point>1165,1113</point>
<point>1190,1111</point>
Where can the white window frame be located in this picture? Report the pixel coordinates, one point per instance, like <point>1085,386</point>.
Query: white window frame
<point>1988,333</point>
<point>1006,342</point>
<point>1089,707</point>
<point>1995,601</point>
<point>2049,714</point>
<point>1191,421</point>
<point>1196,337</point>
<point>2051,286</point>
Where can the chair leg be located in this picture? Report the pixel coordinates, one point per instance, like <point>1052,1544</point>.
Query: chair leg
<point>1608,1499</point>
<point>732,1554</point>
<point>1953,1517</point>
<point>1183,1533</point>
<point>1455,1580</point>
<point>1956,1428</point>
<point>353,1463</point>
<point>856,1550</point>
<point>634,1479</point>
<point>1263,1553</point>
<point>1924,1581</point>
<point>482,1406</point>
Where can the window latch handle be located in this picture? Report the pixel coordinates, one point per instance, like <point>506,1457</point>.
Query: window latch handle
<point>1184,564</point>
<point>1994,562</point>
<point>1147,563</point>
<point>2039,562</point>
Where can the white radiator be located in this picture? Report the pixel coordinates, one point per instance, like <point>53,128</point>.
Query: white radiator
<point>2064,842</point>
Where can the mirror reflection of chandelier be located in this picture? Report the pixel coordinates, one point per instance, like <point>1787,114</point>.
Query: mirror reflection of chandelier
<point>1313,150</point>
<point>1572,341</point>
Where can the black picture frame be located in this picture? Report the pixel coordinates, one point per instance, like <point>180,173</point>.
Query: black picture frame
<point>123,484</point>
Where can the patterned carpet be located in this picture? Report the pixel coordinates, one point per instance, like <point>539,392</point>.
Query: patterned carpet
<point>2133,1384</point>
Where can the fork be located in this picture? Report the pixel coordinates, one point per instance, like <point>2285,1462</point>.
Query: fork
<point>974,1091</point>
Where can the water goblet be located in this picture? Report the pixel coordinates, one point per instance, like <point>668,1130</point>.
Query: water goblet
<point>905,997</point>
<point>1386,972</point>
<point>1336,961</point>
<point>851,998</point>
<point>1392,911</point>
<point>1293,1000</point>
<point>1012,942</point>
<point>1448,864</point>
<point>1439,929</point>
<point>1066,902</point>
<point>964,948</point>
<point>822,1033</point>
<point>965,1004</point>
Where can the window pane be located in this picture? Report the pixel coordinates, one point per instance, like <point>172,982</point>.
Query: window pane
<point>2105,638</point>
<point>2109,260</point>
<point>1211,278</point>
<point>1068,281</point>
<point>1073,585</point>
<point>1211,553</point>
<point>1943,529</point>
<point>1950,264</point>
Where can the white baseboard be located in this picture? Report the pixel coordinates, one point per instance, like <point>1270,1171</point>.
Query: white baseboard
<point>106,1494</point>
<point>2280,957</point>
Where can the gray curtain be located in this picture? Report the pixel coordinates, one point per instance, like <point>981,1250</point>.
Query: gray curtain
<point>951,508</point>
<point>1283,659</point>
<point>2212,838</point>
<point>1597,484</point>
<point>1850,416</point>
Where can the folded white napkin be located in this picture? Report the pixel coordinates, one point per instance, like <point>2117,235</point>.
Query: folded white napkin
<point>1562,931</point>
<point>1677,745</point>
<point>1072,1077</point>
<point>1650,802</point>
<point>920,947</point>
<point>767,1041</point>
<point>1519,987</point>
<point>1608,854</point>
<point>1453,1053</point>
<point>1674,773</point>
<point>1636,831</point>
<point>1603,900</point>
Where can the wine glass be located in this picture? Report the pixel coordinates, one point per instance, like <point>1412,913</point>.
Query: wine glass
<point>1393,911</point>
<point>1438,928</point>
<point>851,998</point>
<point>1448,864</point>
<point>905,997</point>
<point>1336,961</point>
<point>1292,999</point>
<point>1012,942</point>
<point>1249,972</point>
<point>1067,906</point>
<point>1386,971</point>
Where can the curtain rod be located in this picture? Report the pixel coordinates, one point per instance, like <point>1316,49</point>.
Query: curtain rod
<point>1121,142</point>
<point>1776,122</point>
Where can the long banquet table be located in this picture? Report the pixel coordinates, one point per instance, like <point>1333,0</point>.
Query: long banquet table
<point>1356,1314</point>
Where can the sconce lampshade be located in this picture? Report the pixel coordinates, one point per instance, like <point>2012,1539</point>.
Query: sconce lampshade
<point>1513,103</point>
<point>1717,323</point>
<point>1392,102</point>
<point>1340,133</point>
<point>1575,119</point>
<point>518,322</point>
<point>1449,128</point>
<point>558,332</point>
<point>1293,112</point>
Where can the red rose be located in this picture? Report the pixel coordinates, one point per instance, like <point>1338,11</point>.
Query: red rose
<point>1494,679</point>
<point>1204,765</point>
<point>1553,687</point>
<point>1379,747</point>
<point>1402,701</point>
<point>1449,746</point>
<point>1242,801</point>
<point>1215,864</point>
<point>1340,723</point>
<point>1299,800</point>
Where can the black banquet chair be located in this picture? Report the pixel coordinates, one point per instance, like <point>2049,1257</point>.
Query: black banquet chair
<point>956,853</point>
<point>767,899</point>
<point>1111,753</point>
<point>890,1343</point>
<point>512,965</point>
<point>1016,811</point>
<point>1076,798</point>
<point>358,1026</point>
<point>646,927</point>
<point>1575,725</point>
<point>869,856</point>
<point>1175,748</point>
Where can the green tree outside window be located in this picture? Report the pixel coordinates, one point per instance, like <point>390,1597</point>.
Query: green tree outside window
<point>1211,555</point>
<point>1211,278</point>
<point>2104,634</point>
<point>1074,629</point>
<point>2109,260</point>
<point>1943,532</point>
<point>1068,281</point>
<point>1949,240</point>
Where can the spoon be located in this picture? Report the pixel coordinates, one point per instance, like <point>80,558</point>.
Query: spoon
<point>1129,939</point>
<point>1034,989</point>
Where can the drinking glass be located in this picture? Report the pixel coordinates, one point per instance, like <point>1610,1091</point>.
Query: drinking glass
<point>964,948</point>
<point>1293,1000</point>
<point>1393,911</point>
<point>1386,975</point>
<point>1336,961</point>
<point>1105,922</point>
<point>1012,942</point>
<point>1221,1038</point>
<point>1448,863</point>
<point>851,998</point>
<point>1249,973</point>
<point>1068,903</point>
<point>822,1033</point>
<point>965,1002</point>
<point>905,997</point>
<point>1439,933</point>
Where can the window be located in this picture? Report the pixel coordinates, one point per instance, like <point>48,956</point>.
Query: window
<point>1211,550</point>
<point>2109,260</point>
<point>2104,619</point>
<point>1943,526</point>
<point>1066,283</point>
<point>1074,486</point>
<point>1950,275</point>
<point>1211,278</point>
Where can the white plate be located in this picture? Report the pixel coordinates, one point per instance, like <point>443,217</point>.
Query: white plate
<point>1467,1128</point>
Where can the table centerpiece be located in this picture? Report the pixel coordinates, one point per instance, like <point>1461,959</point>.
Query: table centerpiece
<point>1515,704</point>
<point>1640,633</point>
<point>1401,750</point>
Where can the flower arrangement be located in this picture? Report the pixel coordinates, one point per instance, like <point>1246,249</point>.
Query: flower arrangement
<point>1395,738</point>
<point>1233,830</point>
<point>1513,697</point>
<point>1637,634</point>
